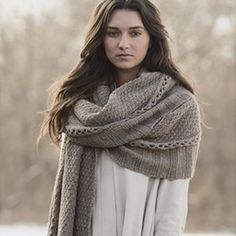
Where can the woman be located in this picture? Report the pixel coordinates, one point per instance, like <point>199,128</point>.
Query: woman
<point>129,129</point>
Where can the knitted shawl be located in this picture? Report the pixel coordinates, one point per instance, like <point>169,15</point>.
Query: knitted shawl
<point>150,125</point>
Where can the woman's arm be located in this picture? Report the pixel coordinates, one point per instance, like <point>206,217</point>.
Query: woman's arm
<point>171,207</point>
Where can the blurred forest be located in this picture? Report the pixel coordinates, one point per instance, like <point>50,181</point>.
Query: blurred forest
<point>37,50</point>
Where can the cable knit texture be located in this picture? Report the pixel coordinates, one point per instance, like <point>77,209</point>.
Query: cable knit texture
<point>150,125</point>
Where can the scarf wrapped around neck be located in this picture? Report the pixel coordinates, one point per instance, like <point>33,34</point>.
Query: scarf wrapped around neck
<point>149,125</point>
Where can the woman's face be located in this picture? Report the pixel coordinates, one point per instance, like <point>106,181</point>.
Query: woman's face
<point>126,41</point>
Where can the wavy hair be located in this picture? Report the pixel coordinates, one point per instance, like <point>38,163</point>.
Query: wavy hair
<point>94,67</point>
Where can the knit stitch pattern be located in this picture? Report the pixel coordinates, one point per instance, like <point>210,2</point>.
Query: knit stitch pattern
<point>150,125</point>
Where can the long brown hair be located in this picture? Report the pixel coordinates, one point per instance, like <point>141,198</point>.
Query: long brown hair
<point>94,67</point>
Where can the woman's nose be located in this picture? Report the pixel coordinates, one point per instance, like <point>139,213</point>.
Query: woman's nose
<point>124,42</point>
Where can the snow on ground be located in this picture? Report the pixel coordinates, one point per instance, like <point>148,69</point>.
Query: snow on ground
<point>37,230</point>
<point>22,230</point>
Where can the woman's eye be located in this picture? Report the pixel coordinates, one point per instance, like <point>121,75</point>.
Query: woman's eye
<point>135,33</point>
<point>112,33</point>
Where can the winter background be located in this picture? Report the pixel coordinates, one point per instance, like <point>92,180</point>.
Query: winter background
<point>40,42</point>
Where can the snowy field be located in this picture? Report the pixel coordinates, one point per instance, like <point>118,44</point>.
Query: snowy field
<point>34,230</point>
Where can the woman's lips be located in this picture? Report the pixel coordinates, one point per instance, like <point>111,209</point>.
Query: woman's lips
<point>124,56</point>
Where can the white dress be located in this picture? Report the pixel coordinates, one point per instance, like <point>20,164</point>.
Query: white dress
<point>132,204</point>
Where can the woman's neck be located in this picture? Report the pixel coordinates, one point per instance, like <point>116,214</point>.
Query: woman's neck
<point>123,76</point>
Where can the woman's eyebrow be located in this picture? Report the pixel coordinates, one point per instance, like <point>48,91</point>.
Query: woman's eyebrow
<point>133,27</point>
<point>137,27</point>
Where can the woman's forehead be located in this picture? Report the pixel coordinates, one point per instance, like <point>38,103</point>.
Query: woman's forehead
<point>123,18</point>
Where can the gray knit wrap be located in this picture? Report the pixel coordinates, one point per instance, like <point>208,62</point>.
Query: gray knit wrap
<point>150,125</point>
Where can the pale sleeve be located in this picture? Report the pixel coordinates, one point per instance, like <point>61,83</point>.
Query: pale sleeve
<point>171,207</point>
